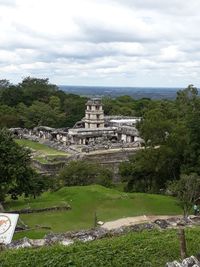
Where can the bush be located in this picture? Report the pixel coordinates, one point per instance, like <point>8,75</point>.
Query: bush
<point>85,173</point>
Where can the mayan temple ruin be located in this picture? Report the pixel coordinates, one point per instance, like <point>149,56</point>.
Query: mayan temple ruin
<point>95,131</point>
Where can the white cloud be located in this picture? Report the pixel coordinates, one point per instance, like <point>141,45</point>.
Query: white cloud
<point>7,2</point>
<point>111,42</point>
<point>171,53</point>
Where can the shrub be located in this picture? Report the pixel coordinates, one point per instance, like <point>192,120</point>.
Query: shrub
<point>85,173</point>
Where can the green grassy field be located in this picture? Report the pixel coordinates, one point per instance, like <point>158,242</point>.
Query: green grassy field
<point>43,149</point>
<point>142,249</point>
<point>109,204</point>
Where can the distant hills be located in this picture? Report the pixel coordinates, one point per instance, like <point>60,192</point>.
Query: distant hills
<point>135,92</point>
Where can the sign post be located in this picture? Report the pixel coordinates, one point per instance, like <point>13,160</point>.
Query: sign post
<point>8,222</point>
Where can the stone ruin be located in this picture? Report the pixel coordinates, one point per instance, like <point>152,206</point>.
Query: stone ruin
<point>94,132</point>
<point>188,262</point>
<point>69,238</point>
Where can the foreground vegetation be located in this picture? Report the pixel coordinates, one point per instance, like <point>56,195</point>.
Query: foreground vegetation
<point>109,204</point>
<point>16,175</point>
<point>143,249</point>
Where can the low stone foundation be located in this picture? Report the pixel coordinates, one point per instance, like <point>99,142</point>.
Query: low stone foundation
<point>27,211</point>
<point>69,238</point>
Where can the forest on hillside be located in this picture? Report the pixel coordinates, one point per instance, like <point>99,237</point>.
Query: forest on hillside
<point>170,130</point>
<point>34,102</point>
<point>171,133</point>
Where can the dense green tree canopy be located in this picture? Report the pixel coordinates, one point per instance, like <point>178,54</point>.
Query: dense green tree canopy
<point>64,110</point>
<point>16,174</point>
<point>171,132</point>
<point>35,102</point>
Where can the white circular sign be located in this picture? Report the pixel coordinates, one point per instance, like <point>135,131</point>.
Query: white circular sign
<point>5,224</point>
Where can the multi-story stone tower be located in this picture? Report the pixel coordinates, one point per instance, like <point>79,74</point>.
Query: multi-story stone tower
<point>94,114</point>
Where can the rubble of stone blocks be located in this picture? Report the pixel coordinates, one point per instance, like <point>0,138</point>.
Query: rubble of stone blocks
<point>69,238</point>
<point>29,210</point>
<point>188,262</point>
<point>62,139</point>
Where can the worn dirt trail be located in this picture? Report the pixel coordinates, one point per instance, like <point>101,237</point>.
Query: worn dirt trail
<point>135,220</point>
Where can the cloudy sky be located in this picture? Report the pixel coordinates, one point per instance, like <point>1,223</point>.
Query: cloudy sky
<point>101,42</point>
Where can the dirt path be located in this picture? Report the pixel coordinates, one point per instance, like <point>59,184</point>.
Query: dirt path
<point>135,220</point>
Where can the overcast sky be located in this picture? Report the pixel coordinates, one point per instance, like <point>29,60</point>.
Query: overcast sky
<point>101,42</point>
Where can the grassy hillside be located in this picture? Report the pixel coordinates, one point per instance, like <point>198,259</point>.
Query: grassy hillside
<point>145,249</point>
<point>45,154</point>
<point>39,147</point>
<point>109,204</point>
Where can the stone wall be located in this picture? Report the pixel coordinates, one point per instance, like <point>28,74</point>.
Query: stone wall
<point>110,156</point>
<point>111,160</point>
<point>47,168</point>
<point>69,238</point>
<point>29,210</point>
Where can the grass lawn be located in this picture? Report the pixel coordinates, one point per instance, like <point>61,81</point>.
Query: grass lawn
<point>40,147</point>
<point>109,204</point>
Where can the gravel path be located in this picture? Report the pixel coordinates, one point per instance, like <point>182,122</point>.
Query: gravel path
<point>135,220</point>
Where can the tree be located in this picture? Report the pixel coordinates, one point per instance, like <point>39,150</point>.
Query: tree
<point>55,103</point>
<point>16,173</point>
<point>11,96</point>
<point>37,185</point>
<point>85,173</point>
<point>8,117</point>
<point>4,84</point>
<point>74,108</point>
<point>40,113</point>
<point>36,89</point>
<point>155,126</point>
<point>150,169</point>
<point>186,99</point>
<point>187,190</point>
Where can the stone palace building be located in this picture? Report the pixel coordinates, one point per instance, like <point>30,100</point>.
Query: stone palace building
<point>94,130</point>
